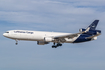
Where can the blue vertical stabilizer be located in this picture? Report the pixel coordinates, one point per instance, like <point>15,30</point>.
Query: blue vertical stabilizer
<point>93,25</point>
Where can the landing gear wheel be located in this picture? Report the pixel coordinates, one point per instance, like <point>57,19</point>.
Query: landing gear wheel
<point>16,43</point>
<point>59,44</point>
<point>54,46</point>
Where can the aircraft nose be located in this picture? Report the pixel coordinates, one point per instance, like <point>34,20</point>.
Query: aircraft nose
<point>4,34</point>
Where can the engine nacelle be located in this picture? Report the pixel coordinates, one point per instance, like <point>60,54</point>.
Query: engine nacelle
<point>42,42</point>
<point>48,39</point>
<point>90,32</point>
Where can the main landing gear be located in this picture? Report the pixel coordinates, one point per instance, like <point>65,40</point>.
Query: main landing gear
<point>16,42</point>
<point>57,45</point>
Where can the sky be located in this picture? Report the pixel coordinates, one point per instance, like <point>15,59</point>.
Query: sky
<point>57,16</point>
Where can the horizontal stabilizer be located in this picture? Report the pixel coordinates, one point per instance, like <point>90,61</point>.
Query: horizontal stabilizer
<point>93,36</point>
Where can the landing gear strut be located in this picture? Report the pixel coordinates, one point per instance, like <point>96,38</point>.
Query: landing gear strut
<point>57,45</point>
<point>16,42</point>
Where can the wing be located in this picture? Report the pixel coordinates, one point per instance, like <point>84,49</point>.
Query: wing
<point>67,36</point>
<point>62,37</point>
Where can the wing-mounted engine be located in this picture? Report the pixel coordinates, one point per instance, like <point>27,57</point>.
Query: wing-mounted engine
<point>45,41</point>
<point>48,39</point>
<point>91,32</point>
<point>42,42</point>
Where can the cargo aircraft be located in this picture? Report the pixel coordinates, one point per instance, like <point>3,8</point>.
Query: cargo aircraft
<point>42,38</point>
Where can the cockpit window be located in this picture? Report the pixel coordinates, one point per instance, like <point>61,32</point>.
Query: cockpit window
<point>6,32</point>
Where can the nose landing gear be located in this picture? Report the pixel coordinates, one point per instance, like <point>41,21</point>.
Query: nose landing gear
<point>16,42</point>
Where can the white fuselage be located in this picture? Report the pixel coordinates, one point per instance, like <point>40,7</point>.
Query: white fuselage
<point>57,38</point>
<point>35,35</point>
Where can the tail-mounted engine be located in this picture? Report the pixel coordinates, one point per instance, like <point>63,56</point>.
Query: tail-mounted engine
<point>91,32</point>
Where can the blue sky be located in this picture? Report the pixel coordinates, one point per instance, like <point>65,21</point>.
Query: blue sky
<point>57,16</point>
